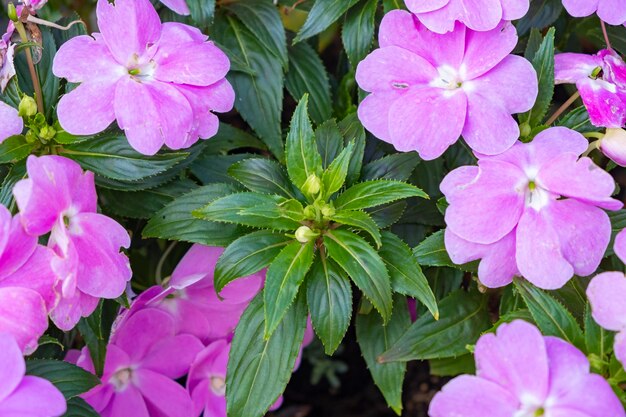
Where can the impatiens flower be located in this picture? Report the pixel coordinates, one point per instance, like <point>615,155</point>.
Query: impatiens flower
<point>535,211</point>
<point>22,395</point>
<point>612,12</point>
<point>520,373</point>
<point>440,15</point>
<point>207,380</point>
<point>606,293</point>
<point>428,89</point>
<point>141,367</point>
<point>613,145</point>
<point>7,56</point>
<point>601,82</point>
<point>179,6</point>
<point>60,199</point>
<point>34,5</point>
<point>620,245</point>
<point>161,82</point>
<point>26,283</point>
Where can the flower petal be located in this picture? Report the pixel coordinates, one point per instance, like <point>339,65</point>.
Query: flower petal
<point>612,12</point>
<point>606,293</point>
<point>84,58</point>
<point>581,8</point>
<point>485,50</point>
<point>571,67</point>
<point>12,124</point>
<point>179,6</point>
<point>421,6</point>
<point>606,108</point>
<point>620,245</point>
<point>163,396</point>
<point>129,402</point>
<point>23,315</point>
<point>172,356</point>
<point>12,365</point>
<point>19,248</point>
<point>514,9</point>
<point>141,331</point>
<point>197,264</point>
<point>34,397</point>
<point>98,97</point>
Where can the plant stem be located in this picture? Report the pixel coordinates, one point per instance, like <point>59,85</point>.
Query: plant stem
<point>159,268</point>
<point>564,107</point>
<point>31,67</point>
<point>606,35</point>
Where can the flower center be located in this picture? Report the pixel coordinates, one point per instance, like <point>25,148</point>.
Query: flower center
<point>141,69</point>
<point>121,379</point>
<point>536,197</point>
<point>448,79</point>
<point>218,385</point>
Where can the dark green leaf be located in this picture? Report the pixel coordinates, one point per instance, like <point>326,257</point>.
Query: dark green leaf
<point>376,193</point>
<point>329,296</point>
<point>91,330</point>
<point>578,120</point>
<point>352,130</point>
<point>15,148</point>
<point>259,369</point>
<point>68,378</point>
<point>323,14</point>
<point>388,214</point>
<point>406,274</point>
<point>543,62</point>
<point>329,141</point>
<point>363,265</point>
<point>211,169</point>
<point>374,337</point>
<point>360,220</point>
<point>432,252</point>
<point>393,5</point>
<point>77,407</point>
<point>248,255</point>
<point>262,176</point>
<point>463,317</point>
<point>16,172</point>
<point>463,364</point>
<point>358,30</point>
<point>597,340</point>
<point>398,166</point>
<point>229,138</point>
<point>542,13</point>
<point>335,175</point>
<point>202,11</point>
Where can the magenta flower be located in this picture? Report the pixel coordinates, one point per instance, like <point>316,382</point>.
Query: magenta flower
<point>606,293</point>
<point>26,283</point>
<point>612,12</point>
<point>179,6</point>
<point>535,211</point>
<point>428,89</point>
<point>161,82</point>
<point>35,5</point>
<point>206,382</point>
<point>142,363</point>
<point>22,395</point>
<point>520,373</point>
<point>440,15</point>
<point>60,199</point>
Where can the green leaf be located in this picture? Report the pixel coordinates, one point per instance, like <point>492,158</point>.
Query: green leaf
<point>388,214</point>
<point>175,221</point>
<point>248,255</point>
<point>211,169</point>
<point>329,295</point>
<point>597,340</point>
<point>91,330</point>
<point>329,141</point>
<point>358,31</point>
<point>261,17</point>
<point>323,14</point>
<point>229,138</point>
<point>259,369</point>
<point>259,96</point>
<point>307,75</point>
<point>70,379</point>
<point>463,364</point>
<point>432,252</point>
<point>406,274</point>
<point>542,13</point>
<point>254,210</point>
<point>284,277</point>
<point>463,317</point>
<point>376,193</point>
<point>398,166</point>
<point>77,407</point>
<point>15,148</point>
<point>360,220</point>
<point>202,11</point>
<point>111,156</point>
<point>352,130</point>
<point>578,120</point>
<point>552,318</point>
<point>16,172</point>
<point>393,5</point>
<point>303,158</point>
<point>543,62</point>
<point>262,176</point>
<point>335,175</point>
<point>363,265</point>
<point>375,337</point>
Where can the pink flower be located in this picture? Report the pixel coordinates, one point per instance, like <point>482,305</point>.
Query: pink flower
<point>7,56</point>
<point>612,12</point>
<point>601,82</point>
<point>141,367</point>
<point>440,15</point>
<point>520,373</point>
<point>35,5</point>
<point>161,82</point>
<point>606,293</point>
<point>535,211</point>
<point>613,145</point>
<point>427,89</point>
<point>179,6</point>
<point>23,395</point>
<point>207,380</point>
<point>60,199</point>
<point>620,245</point>
<point>26,283</point>
<point>10,122</point>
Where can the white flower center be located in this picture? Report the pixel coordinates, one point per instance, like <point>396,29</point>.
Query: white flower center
<point>121,379</point>
<point>141,69</point>
<point>449,78</point>
<point>218,385</point>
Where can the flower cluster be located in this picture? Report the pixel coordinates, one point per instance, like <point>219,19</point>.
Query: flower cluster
<point>160,81</point>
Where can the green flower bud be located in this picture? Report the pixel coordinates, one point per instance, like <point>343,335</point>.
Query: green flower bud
<point>309,212</point>
<point>304,234</point>
<point>328,211</point>
<point>525,130</point>
<point>312,185</point>
<point>12,12</point>
<point>47,133</point>
<point>31,136</point>
<point>27,107</point>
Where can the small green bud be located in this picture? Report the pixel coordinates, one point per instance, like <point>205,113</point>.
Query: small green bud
<point>47,133</point>
<point>312,185</point>
<point>31,136</point>
<point>596,71</point>
<point>304,234</point>
<point>309,212</point>
<point>27,107</point>
<point>12,12</point>
<point>525,130</point>
<point>328,211</point>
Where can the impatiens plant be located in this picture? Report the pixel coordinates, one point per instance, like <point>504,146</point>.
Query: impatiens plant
<point>425,188</point>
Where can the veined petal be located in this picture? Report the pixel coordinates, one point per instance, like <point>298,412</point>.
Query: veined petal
<point>98,97</point>
<point>84,58</point>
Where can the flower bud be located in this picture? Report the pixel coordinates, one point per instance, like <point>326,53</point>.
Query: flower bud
<point>27,107</point>
<point>312,185</point>
<point>613,145</point>
<point>304,234</point>
<point>328,211</point>
<point>525,130</point>
<point>12,12</point>
<point>47,133</point>
<point>309,212</point>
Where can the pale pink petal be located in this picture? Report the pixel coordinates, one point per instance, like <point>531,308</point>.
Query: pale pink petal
<point>613,145</point>
<point>197,264</point>
<point>427,120</point>
<point>212,360</point>
<point>606,293</point>
<point>219,97</point>
<point>568,366</point>
<point>12,124</point>
<point>581,8</point>
<point>539,256</point>
<point>173,356</point>
<point>243,290</point>
<point>516,359</point>
<point>179,6</point>
<point>98,98</point>
<point>11,364</point>
<point>23,314</point>
<point>514,9</point>
<point>484,50</point>
<point>421,6</point>
<point>163,395</point>
<point>571,67</point>
<point>453,184</point>
<point>375,112</point>
<point>19,248</point>
<point>612,12</point>
<point>620,245</point>
<point>34,397</point>
<point>478,15</point>
<point>142,330</point>
<point>67,312</point>
<point>84,58</point>
<point>619,347</point>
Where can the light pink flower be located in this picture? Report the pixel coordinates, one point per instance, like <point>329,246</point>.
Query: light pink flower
<point>535,211</point>
<point>22,395</point>
<point>26,283</point>
<point>620,245</point>
<point>10,122</point>
<point>606,293</point>
<point>520,373</point>
<point>179,6</point>
<point>428,89</point>
<point>613,146</point>
<point>141,367</point>
<point>7,57</point>
<point>482,15</point>
<point>612,12</point>
<point>60,199</point>
<point>601,82</point>
<point>161,82</point>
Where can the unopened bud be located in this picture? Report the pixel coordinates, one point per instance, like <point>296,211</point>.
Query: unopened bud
<point>613,145</point>
<point>309,212</point>
<point>312,185</point>
<point>47,133</point>
<point>12,12</point>
<point>328,211</point>
<point>27,107</point>
<point>525,130</point>
<point>304,234</point>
